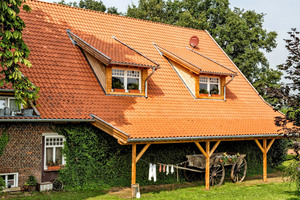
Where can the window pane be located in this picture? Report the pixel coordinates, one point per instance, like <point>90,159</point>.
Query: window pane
<point>214,89</point>
<point>49,156</point>
<point>214,80</point>
<point>58,156</point>
<point>133,74</point>
<point>10,177</point>
<point>132,83</point>
<point>2,103</point>
<point>13,106</point>
<point>117,72</point>
<point>203,80</point>
<point>12,182</point>
<point>203,88</point>
<point>118,83</point>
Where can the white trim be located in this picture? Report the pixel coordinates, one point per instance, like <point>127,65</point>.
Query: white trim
<point>52,135</point>
<point>208,83</point>
<point>241,72</point>
<point>126,77</point>
<point>16,178</point>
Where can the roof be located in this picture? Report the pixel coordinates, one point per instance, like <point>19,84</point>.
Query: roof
<point>199,62</point>
<point>70,90</point>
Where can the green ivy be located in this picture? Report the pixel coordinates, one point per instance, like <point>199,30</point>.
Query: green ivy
<point>95,160</point>
<point>4,139</point>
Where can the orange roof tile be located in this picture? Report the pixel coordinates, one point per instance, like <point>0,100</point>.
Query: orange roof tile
<point>70,90</point>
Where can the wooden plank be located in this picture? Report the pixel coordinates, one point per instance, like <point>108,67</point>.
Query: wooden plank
<point>265,161</point>
<point>201,149</point>
<point>270,144</point>
<point>207,166</point>
<point>142,152</point>
<point>259,145</point>
<point>214,148</point>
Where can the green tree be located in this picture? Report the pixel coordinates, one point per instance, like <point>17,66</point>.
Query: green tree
<point>14,52</point>
<point>240,33</point>
<point>91,5</point>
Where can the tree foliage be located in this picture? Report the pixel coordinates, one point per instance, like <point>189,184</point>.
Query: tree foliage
<point>240,33</point>
<point>91,5</point>
<point>14,52</point>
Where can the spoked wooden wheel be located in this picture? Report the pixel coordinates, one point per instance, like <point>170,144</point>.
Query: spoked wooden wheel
<point>216,174</point>
<point>239,170</point>
<point>57,185</point>
<point>191,176</point>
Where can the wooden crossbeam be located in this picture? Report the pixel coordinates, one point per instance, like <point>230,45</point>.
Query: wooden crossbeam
<point>270,144</point>
<point>259,145</point>
<point>142,152</point>
<point>214,148</point>
<point>201,149</point>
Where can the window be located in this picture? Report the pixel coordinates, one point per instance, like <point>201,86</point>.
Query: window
<point>209,86</point>
<point>10,179</point>
<point>126,80</point>
<point>53,151</point>
<point>9,102</point>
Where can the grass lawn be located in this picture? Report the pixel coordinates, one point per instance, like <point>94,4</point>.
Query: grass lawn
<point>230,191</point>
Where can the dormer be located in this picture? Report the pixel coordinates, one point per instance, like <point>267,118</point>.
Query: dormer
<point>204,78</point>
<point>120,69</point>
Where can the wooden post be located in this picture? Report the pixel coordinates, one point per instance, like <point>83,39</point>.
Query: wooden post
<point>264,149</point>
<point>133,164</point>
<point>207,165</point>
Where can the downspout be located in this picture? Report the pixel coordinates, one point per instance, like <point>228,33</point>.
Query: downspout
<point>146,82</point>
<point>225,87</point>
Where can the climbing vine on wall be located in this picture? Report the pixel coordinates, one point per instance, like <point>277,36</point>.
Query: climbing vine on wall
<point>4,139</point>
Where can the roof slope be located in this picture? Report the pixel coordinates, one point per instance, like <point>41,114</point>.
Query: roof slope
<point>69,89</point>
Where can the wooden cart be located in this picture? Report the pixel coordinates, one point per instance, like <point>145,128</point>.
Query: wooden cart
<point>218,162</point>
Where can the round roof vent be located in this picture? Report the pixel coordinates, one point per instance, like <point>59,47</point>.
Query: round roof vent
<point>194,41</point>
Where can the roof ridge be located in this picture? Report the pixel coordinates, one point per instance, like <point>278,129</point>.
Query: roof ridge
<point>134,50</point>
<point>122,16</point>
<point>210,59</point>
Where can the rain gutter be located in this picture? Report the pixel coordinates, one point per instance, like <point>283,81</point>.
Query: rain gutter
<point>232,77</point>
<point>46,120</point>
<point>201,138</point>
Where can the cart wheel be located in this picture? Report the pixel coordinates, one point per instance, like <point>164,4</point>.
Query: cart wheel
<point>239,170</point>
<point>216,174</point>
<point>189,175</point>
<point>57,185</point>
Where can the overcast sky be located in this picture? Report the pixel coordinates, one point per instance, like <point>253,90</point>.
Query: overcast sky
<point>281,16</point>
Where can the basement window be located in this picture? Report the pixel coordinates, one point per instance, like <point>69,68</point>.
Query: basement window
<point>126,80</point>
<point>53,156</point>
<point>10,179</point>
<point>209,86</point>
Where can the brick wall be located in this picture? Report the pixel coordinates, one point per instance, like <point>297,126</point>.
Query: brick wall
<point>23,153</point>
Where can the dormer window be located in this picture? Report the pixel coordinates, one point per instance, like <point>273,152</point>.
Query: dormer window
<point>8,106</point>
<point>126,80</point>
<point>209,86</point>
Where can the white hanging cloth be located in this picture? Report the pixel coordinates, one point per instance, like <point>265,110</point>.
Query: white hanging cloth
<point>172,169</point>
<point>167,170</point>
<point>152,172</point>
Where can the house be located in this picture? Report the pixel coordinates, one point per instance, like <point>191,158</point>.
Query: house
<point>142,82</point>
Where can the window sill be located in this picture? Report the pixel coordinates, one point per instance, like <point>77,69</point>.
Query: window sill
<point>53,169</point>
<point>127,93</point>
<point>210,97</point>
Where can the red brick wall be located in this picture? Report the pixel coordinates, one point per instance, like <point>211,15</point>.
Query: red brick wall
<point>23,153</point>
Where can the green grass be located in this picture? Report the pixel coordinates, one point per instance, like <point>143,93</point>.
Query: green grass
<point>229,191</point>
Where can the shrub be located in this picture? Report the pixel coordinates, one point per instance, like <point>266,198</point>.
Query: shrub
<point>31,181</point>
<point>2,184</point>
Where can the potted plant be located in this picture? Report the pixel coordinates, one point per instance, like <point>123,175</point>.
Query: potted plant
<point>117,85</point>
<point>215,92</point>
<point>133,88</point>
<point>1,112</point>
<point>28,112</point>
<point>30,184</point>
<point>204,92</point>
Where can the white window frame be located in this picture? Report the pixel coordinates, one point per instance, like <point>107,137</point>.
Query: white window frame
<point>7,101</point>
<point>125,77</point>
<point>52,135</point>
<point>16,178</point>
<point>208,83</point>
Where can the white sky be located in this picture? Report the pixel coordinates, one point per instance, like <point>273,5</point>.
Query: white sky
<point>281,16</point>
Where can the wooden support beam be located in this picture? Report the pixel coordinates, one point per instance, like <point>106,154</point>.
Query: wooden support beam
<point>270,144</point>
<point>214,148</point>
<point>142,152</point>
<point>265,161</point>
<point>133,164</point>
<point>201,149</point>
<point>259,145</point>
<point>207,165</point>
